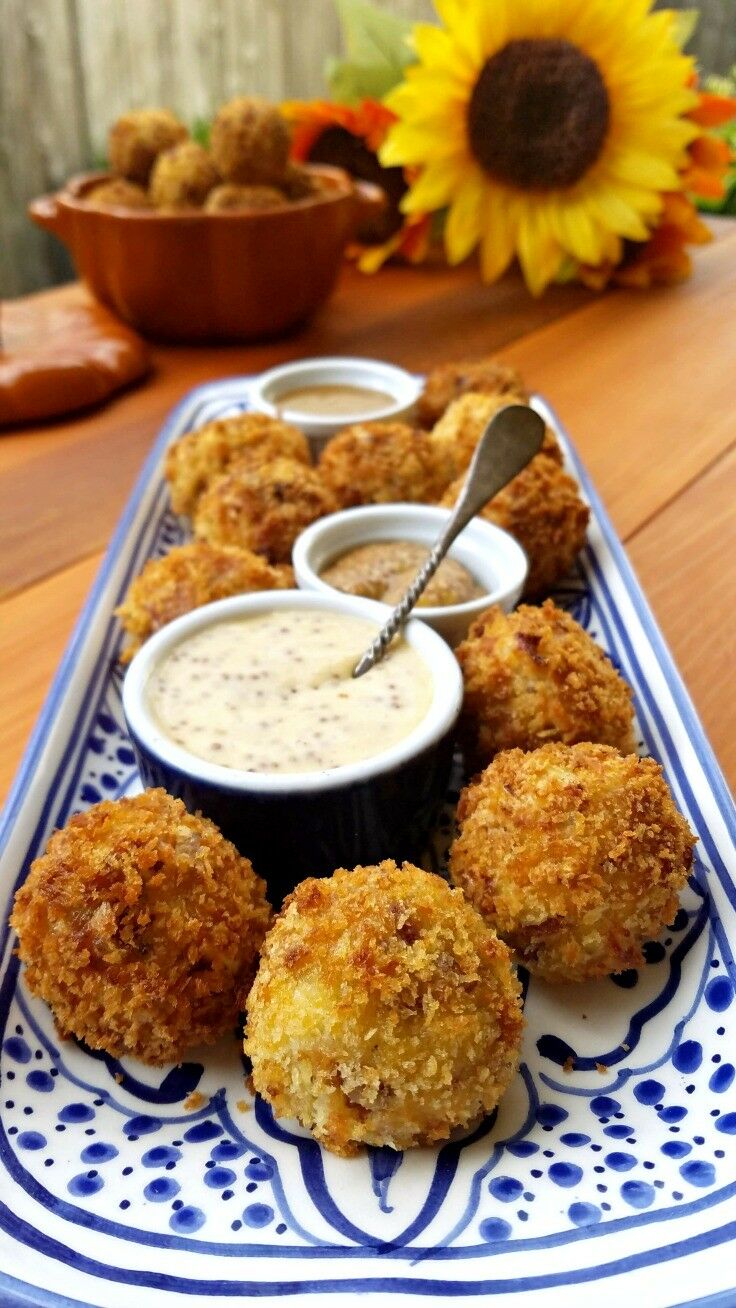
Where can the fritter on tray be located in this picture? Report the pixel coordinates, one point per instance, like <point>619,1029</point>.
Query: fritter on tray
<point>137,139</point>
<point>263,508</point>
<point>197,458</point>
<point>140,927</point>
<point>574,854</point>
<point>534,676</point>
<point>449,380</point>
<point>187,577</point>
<point>183,177</point>
<point>250,142</point>
<point>384,1011</point>
<point>542,509</point>
<point>458,431</point>
<point>380,463</point>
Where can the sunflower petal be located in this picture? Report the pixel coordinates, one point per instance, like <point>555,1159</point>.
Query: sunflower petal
<point>464,219</point>
<point>498,242</point>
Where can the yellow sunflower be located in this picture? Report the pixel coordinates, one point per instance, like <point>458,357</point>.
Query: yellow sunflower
<point>550,129</point>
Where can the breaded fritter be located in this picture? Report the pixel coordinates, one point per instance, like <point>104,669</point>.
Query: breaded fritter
<point>117,193</point>
<point>250,142</point>
<point>574,854</point>
<point>534,676</point>
<point>183,177</point>
<point>380,463</point>
<point>230,196</point>
<point>197,458</point>
<point>264,508</point>
<point>137,139</point>
<point>543,511</point>
<point>449,380</point>
<point>384,1011</point>
<point>187,577</point>
<point>140,927</point>
<point>461,426</point>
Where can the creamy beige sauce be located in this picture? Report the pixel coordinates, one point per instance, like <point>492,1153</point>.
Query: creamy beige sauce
<point>334,401</point>
<point>274,692</point>
<point>384,569</point>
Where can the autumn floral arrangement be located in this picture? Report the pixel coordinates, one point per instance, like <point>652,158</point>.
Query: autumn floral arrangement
<point>572,136</point>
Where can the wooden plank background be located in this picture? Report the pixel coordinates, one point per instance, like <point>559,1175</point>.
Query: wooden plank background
<point>69,67</point>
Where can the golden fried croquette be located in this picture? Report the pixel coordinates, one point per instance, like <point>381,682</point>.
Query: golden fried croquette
<point>461,426</point>
<point>299,183</point>
<point>450,380</point>
<point>262,508</point>
<point>542,509</point>
<point>230,196</point>
<point>140,927</point>
<point>137,139</point>
<point>188,576</point>
<point>250,142</point>
<point>533,676</point>
<point>384,1011</point>
<point>197,458</point>
<point>183,177</point>
<point>117,193</point>
<point>575,854</point>
<point>380,463</point>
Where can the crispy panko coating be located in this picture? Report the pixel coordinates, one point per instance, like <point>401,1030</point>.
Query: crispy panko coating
<point>380,463</point>
<point>534,676</point>
<point>118,193</point>
<point>263,508</point>
<point>137,139</point>
<point>543,511</point>
<point>183,177</point>
<point>197,458</point>
<point>575,854</point>
<point>384,1011</point>
<point>140,927</point>
<point>250,142</point>
<point>187,577</point>
<point>450,380</point>
<point>231,196</point>
<point>461,426</point>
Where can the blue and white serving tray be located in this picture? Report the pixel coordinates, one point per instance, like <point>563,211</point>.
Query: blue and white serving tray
<point>607,1176</point>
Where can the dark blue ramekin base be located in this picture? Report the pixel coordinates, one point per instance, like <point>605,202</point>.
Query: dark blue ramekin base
<point>291,836</point>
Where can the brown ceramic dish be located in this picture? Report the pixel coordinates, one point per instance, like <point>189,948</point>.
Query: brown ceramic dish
<point>211,276</point>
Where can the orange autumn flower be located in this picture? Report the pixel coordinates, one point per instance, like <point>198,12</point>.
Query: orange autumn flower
<point>350,136</point>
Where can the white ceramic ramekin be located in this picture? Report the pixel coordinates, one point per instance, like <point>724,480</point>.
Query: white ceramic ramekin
<point>299,824</point>
<point>490,554</point>
<point>396,382</point>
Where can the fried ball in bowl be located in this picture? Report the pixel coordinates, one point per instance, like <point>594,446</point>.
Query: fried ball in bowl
<point>533,676</point>
<point>137,139</point>
<point>197,458</point>
<point>461,426</point>
<point>140,927</point>
<point>384,1011</point>
<point>250,142</point>
<point>574,854</point>
<point>380,463</point>
<point>263,508</point>
<point>483,376</point>
<point>187,577</point>
<point>183,177</point>
<point>542,509</point>
<point>229,196</point>
<point>117,193</point>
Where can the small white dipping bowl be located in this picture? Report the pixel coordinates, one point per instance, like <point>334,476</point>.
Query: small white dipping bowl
<point>369,373</point>
<point>491,556</point>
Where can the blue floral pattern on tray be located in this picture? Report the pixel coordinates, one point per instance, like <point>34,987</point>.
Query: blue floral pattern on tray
<point>620,1116</point>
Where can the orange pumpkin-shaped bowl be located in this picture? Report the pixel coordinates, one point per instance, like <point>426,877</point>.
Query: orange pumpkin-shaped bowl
<point>194,276</point>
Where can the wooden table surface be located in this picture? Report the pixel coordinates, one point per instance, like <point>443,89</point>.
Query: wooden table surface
<point>645,382</point>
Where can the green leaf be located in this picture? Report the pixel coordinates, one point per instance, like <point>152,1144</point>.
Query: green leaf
<point>686,20</point>
<point>201,128</point>
<point>377,52</point>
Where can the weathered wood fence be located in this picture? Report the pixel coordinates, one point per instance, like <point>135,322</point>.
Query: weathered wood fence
<point>69,67</point>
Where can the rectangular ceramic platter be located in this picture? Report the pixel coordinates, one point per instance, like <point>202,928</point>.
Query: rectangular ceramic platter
<point>613,1182</point>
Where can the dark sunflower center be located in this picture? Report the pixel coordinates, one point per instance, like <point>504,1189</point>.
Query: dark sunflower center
<point>539,114</point>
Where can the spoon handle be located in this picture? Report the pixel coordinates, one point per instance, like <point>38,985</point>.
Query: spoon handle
<point>513,436</point>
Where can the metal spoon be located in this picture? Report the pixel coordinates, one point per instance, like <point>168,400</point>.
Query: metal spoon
<point>513,436</point>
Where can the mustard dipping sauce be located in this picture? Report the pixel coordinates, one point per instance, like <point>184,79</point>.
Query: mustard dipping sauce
<point>275,692</point>
<point>336,400</point>
<point>382,570</point>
